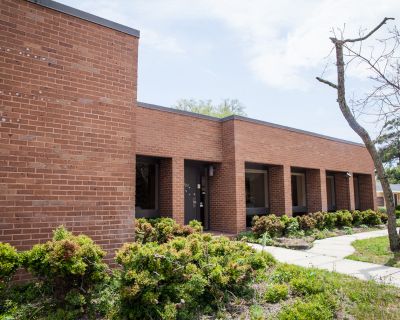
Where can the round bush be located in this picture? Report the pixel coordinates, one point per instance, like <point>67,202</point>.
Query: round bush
<point>9,263</point>
<point>70,265</point>
<point>371,218</point>
<point>307,222</point>
<point>330,220</point>
<point>344,219</point>
<point>270,224</point>
<point>179,278</point>
<point>358,217</point>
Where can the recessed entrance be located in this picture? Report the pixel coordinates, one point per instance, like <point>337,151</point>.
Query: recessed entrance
<point>196,193</point>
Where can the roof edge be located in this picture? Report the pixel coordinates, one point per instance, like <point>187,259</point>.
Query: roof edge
<point>241,118</point>
<point>86,16</point>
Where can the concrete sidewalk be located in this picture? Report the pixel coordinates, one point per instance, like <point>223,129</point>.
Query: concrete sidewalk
<point>328,254</point>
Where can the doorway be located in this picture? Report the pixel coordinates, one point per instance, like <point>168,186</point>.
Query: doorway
<point>196,193</point>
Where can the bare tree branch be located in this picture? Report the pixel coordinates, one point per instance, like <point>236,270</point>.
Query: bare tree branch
<point>327,82</point>
<point>369,33</point>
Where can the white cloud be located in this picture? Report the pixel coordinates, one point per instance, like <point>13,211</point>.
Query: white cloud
<point>285,41</point>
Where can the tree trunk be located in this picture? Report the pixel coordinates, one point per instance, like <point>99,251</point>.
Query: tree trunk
<point>387,192</point>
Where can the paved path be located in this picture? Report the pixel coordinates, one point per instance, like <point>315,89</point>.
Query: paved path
<point>328,254</point>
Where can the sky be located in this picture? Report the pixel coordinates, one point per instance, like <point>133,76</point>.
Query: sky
<point>264,53</point>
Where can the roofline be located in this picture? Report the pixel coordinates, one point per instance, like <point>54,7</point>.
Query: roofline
<point>86,16</point>
<point>241,118</point>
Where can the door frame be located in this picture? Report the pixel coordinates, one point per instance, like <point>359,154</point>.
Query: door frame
<point>201,169</point>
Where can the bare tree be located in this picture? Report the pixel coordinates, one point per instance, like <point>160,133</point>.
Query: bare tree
<point>382,102</point>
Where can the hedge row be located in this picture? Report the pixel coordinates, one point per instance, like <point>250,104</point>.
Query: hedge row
<point>168,273</point>
<point>291,226</point>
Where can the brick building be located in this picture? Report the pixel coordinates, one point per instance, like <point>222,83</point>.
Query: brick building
<point>78,149</point>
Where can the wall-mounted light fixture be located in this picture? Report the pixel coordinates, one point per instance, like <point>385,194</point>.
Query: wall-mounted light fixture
<point>348,174</point>
<point>210,170</point>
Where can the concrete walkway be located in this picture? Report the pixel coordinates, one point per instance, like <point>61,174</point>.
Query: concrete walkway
<point>328,254</point>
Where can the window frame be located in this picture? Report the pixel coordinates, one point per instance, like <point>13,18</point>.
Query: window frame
<point>331,179</point>
<point>250,211</point>
<point>302,208</point>
<point>149,213</point>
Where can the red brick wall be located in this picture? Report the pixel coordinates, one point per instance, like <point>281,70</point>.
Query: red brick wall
<point>230,144</point>
<point>314,185</point>
<point>365,185</point>
<point>67,148</point>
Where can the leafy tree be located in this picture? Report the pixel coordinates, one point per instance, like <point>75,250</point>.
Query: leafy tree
<point>393,174</point>
<point>389,142</point>
<point>224,109</point>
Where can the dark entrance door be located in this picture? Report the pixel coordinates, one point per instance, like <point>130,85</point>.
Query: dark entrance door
<point>196,193</point>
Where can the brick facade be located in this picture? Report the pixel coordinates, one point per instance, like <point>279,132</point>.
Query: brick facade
<point>71,130</point>
<point>67,148</point>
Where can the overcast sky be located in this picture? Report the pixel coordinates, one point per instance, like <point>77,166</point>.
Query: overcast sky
<point>264,53</point>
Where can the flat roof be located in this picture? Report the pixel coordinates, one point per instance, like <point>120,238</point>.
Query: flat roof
<point>86,16</point>
<point>395,187</point>
<point>235,117</point>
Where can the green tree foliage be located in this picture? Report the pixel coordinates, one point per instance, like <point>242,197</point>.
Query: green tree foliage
<point>389,149</point>
<point>226,108</point>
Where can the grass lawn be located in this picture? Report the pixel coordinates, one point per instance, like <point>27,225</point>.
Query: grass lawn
<point>289,292</point>
<point>375,250</point>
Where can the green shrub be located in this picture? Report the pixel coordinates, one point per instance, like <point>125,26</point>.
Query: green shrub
<point>162,230</point>
<point>371,218</point>
<point>9,263</point>
<point>276,293</point>
<point>270,223</point>
<point>382,209</point>
<point>358,217</point>
<point>317,307</point>
<point>307,222</point>
<point>307,284</point>
<point>292,227</point>
<point>383,216</point>
<point>344,218</point>
<point>330,220</point>
<point>319,218</point>
<point>256,312</point>
<point>180,278</point>
<point>71,266</point>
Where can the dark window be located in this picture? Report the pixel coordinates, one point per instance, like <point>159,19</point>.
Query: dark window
<point>255,190</point>
<point>146,186</point>
<point>298,192</point>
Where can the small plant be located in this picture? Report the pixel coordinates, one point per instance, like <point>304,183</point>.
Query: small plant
<point>307,222</point>
<point>292,227</point>
<point>317,308</point>
<point>256,312</point>
<point>9,263</point>
<point>270,223</point>
<point>276,293</point>
<point>348,230</point>
<point>344,219</point>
